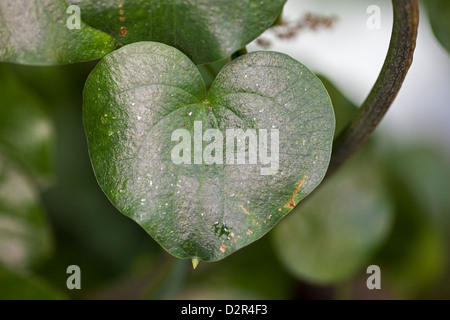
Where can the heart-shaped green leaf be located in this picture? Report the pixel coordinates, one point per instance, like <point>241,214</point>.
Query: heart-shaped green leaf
<point>139,99</point>
<point>204,30</point>
<point>35,32</point>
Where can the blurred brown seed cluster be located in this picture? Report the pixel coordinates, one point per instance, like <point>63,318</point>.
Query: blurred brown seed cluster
<point>290,29</point>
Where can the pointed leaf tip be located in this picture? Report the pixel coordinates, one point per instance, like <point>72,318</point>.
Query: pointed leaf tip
<point>195,262</point>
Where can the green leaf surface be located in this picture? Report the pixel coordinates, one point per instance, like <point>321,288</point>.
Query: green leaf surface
<point>139,95</point>
<point>204,30</point>
<point>17,287</point>
<point>26,131</point>
<point>24,233</point>
<point>35,32</point>
<point>334,233</point>
<point>439,13</point>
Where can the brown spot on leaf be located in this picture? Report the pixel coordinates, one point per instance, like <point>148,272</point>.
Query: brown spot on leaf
<point>123,31</point>
<point>245,210</point>
<point>249,232</point>
<point>223,247</point>
<point>291,203</point>
<point>122,19</point>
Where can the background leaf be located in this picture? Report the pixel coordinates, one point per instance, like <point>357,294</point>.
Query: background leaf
<point>204,30</point>
<point>137,96</point>
<point>35,32</point>
<point>24,232</point>
<point>26,141</point>
<point>415,255</point>
<point>439,13</point>
<point>344,109</point>
<point>26,131</point>
<point>16,287</point>
<point>338,229</point>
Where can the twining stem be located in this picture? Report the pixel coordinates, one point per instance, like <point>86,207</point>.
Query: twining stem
<point>387,86</point>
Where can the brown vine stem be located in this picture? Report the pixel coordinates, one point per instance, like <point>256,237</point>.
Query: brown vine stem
<point>398,60</point>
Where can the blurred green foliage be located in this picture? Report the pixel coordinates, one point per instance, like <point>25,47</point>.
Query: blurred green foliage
<point>389,206</point>
<point>439,13</point>
<point>334,234</point>
<point>118,260</point>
